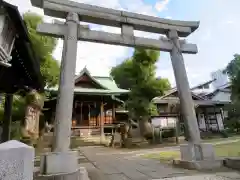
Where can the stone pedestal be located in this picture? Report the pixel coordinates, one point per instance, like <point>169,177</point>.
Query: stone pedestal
<point>16,161</point>
<point>198,156</point>
<point>59,163</point>
<point>197,152</point>
<point>62,166</point>
<point>80,174</point>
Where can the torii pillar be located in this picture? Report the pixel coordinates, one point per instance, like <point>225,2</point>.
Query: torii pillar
<point>194,154</point>
<point>62,164</point>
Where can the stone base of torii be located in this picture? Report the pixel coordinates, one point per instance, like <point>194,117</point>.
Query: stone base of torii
<point>62,163</point>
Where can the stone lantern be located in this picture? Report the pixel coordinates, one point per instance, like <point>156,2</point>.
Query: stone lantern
<point>7,37</point>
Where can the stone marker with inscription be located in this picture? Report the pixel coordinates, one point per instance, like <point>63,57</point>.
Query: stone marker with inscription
<point>16,161</point>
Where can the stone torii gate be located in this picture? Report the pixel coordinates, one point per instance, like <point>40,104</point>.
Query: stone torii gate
<point>71,31</point>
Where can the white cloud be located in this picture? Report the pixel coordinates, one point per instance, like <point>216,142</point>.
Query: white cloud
<point>230,22</point>
<point>161,5</point>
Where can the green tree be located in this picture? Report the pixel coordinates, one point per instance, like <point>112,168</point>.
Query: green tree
<point>233,71</point>
<point>233,120</point>
<point>146,85</point>
<point>43,47</point>
<point>139,75</point>
<point>122,74</point>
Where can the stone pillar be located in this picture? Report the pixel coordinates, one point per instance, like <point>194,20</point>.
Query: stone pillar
<point>62,164</point>
<point>7,118</point>
<point>183,88</point>
<point>64,107</point>
<point>177,129</point>
<point>193,152</point>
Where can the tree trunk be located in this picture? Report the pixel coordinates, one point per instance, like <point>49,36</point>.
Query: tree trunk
<point>31,123</point>
<point>145,128</point>
<point>30,130</point>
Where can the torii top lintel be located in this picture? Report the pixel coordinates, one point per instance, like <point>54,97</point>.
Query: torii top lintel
<point>111,17</point>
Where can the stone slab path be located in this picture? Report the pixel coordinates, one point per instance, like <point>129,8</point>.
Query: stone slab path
<point>103,164</point>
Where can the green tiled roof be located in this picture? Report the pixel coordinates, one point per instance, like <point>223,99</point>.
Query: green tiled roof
<point>109,87</point>
<point>109,83</point>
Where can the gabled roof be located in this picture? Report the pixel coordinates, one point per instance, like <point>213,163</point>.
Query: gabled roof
<point>203,84</point>
<point>107,84</point>
<point>174,90</point>
<point>224,88</point>
<point>85,71</point>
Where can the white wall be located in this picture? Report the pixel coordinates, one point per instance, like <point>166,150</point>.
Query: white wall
<point>164,121</point>
<point>204,90</point>
<point>222,96</point>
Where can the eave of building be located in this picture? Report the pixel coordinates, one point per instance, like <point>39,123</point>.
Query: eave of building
<point>24,72</point>
<point>91,91</point>
<point>166,96</point>
<point>196,102</point>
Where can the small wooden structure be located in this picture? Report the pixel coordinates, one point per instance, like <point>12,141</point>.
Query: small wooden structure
<point>95,102</point>
<point>19,67</point>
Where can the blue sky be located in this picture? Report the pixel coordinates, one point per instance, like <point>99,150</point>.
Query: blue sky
<point>217,38</point>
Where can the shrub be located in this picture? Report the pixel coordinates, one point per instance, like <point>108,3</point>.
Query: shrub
<point>224,134</point>
<point>233,124</point>
<point>16,130</point>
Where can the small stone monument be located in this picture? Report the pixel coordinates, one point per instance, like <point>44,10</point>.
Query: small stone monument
<point>16,161</point>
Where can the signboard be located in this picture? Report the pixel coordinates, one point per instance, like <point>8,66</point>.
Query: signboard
<point>164,121</point>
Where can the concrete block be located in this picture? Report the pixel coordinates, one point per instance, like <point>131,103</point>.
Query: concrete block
<point>198,156</point>
<point>199,165</point>
<point>59,163</point>
<point>80,174</point>
<point>233,163</point>
<point>208,151</point>
<point>16,161</point>
<point>193,152</point>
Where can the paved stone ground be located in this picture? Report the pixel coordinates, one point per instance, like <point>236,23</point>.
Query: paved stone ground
<point>139,152</point>
<point>107,164</point>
